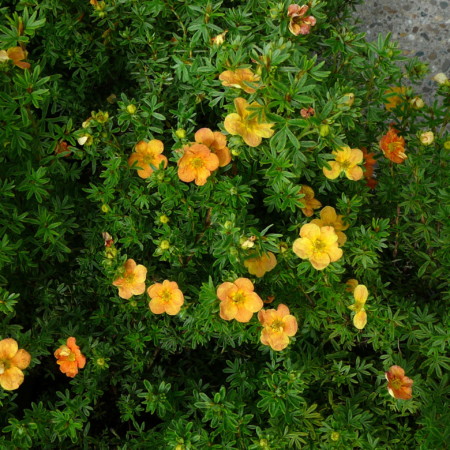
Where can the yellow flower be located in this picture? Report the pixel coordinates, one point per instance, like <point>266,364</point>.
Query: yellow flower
<point>239,79</point>
<point>16,55</point>
<point>197,164</point>
<point>260,265</point>
<point>309,201</point>
<point>278,326</point>
<point>238,300</point>
<point>132,280</point>
<point>250,130</point>
<point>346,160</point>
<point>216,142</point>
<point>360,318</point>
<point>395,97</point>
<point>12,362</point>
<point>318,244</point>
<point>148,156</point>
<point>165,298</point>
<point>329,218</point>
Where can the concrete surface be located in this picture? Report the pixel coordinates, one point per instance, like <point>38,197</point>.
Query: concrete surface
<point>421,27</point>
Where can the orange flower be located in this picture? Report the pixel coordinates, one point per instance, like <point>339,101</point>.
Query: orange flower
<point>70,358</point>
<point>299,24</point>
<point>251,130</point>
<point>148,156</point>
<point>238,300</point>
<point>63,147</point>
<point>239,78</point>
<point>399,386</point>
<point>329,218</point>
<point>260,265</point>
<point>360,318</point>
<point>309,201</point>
<point>318,244</point>
<point>346,160</point>
<point>165,298</point>
<point>197,163</point>
<point>369,165</point>
<point>16,54</point>
<point>278,326</point>
<point>216,142</point>
<point>12,362</point>
<point>395,97</point>
<point>132,280</point>
<point>393,146</point>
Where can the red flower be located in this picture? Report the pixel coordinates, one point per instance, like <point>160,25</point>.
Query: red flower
<point>399,386</point>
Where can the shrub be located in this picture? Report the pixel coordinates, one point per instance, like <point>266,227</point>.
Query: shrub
<point>223,221</point>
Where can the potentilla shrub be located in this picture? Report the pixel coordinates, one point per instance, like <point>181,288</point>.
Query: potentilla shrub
<point>223,225</point>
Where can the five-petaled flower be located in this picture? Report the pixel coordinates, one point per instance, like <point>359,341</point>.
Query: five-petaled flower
<point>329,218</point>
<point>132,280</point>
<point>399,385</point>
<point>369,166</point>
<point>346,160</point>
<point>238,300</point>
<point>299,23</point>
<point>197,163</point>
<point>259,265</point>
<point>393,146</point>
<point>250,129</point>
<point>216,142</point>
<point>317,244</point>
<point>278,327</point>
<point>16,55</point>
<point>69,358</point>
<point>360,294</point>
<point>309,201</point>
<point>12,362</point>
<point>166,297</point>
<point>148,157</point>
<point>395,97</point>
<point>240,78</point>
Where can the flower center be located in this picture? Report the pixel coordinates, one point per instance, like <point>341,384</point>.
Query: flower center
<point>239,297</point>
<point>166,295</point>
<point>277,326</point>
<point>197,163</point>
<point>396,383</point>
<point>129,278</point>
<point>345,165</point>
<point>149,159</point>
<point>319,245</point>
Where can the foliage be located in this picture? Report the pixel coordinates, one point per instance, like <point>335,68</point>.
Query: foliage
<point>104,76</point>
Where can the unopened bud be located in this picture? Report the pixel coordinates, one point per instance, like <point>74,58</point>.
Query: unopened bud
<point>427,138</point>
<point>441,78</point>
<point>324,130</point>
<point>417,103</point>
<point>164,245</point>
<point>131,109</point>
<point>164,219</point>
<point>180,133</point>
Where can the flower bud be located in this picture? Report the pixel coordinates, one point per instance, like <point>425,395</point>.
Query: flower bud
<point>180,133</point>
<point>417,103</point>
<point>447,145</point>
<point>324,130</point>
<point>100,117</point>
<point>427,138</point>
<point>105,208</point>
<point>335,436</point>
<point>164,245</point>
<point>164,219</point>
<point>219,39</point>
<point>131,109</point>
<point>347,99</point>
<point>441,78</point>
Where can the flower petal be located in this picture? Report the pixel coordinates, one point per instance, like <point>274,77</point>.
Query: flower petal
<point>360,319</point>
<point>328,215</point>
<point>245,284</point>
<point>8,348</point>
<point>225,290</point>
<point>11,378</point>
<point>21,360</point>
<point>155,146</point>
<point>303,248</point>
<point>334,172</point>
<point>361,293</point>
<point>310,231</point>
<point>204,136</point>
